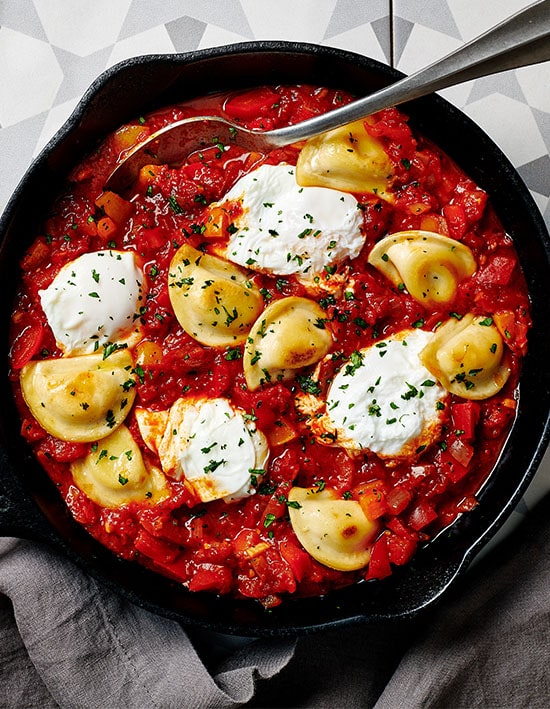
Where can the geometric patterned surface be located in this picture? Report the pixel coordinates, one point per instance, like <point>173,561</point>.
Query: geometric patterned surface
<point>51,50</point>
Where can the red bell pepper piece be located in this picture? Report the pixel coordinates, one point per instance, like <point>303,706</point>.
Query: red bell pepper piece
<point>26,345</point>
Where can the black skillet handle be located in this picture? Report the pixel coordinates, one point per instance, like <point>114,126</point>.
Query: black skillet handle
<point>20,516</point>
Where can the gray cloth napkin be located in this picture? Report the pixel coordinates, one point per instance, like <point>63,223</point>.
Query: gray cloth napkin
<point>66,641</point>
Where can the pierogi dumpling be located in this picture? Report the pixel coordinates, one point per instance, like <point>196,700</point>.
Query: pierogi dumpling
<point>114,473</point>
<point>212,299</point>
<point>82,398</point>
<point>347,159</point>
<point>468,357</point>
<point>290,334</point>
<point>429,265</point>
<point>334,531</point>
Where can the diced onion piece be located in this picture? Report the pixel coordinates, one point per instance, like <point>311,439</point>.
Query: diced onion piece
<point>114,473</point>
<point>468,357</point>
<point>429,265</point>
<point>290,334</point>
<point>333,531</point>
<point>81,398</point>
<point>213,299</point>
<point>347,159</point>
<point>461,451</point>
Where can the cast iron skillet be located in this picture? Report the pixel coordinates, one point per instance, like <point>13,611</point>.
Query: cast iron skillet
<point>30,506</point>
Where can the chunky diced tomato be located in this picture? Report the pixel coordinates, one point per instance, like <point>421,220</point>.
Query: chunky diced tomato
<point>298,560</point>
<point>397,525</point>
<point>379,564</point>
<point>390,124</point>
<point>400,549</point>
<point>155,548</point>
<point>151,240</point>
<point>82,508</point>
<point>456,220</point>
<point>465,417</point>
<point>251,104</point>
<point>498,270</point>
<point>63,451</point>
<point>35,256</point>
<point>275,508</point>
<point>196,528</point>
<point>472,199</point>
<point>450,467</point>
<point>31,430</point>
<point>513,330</point>
<point>244,540</point>
<point>211,577</point>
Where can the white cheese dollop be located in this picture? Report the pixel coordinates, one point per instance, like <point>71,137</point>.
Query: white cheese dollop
<point>287,229</point>
<point>93,301</point>
<point>385,400</point>
<point>213,445</point>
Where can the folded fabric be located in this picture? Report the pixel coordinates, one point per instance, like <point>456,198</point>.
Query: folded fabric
<point>77,644</point>
<point>69,642</point>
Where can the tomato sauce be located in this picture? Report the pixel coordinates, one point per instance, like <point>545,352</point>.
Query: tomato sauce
<point>248,548</point>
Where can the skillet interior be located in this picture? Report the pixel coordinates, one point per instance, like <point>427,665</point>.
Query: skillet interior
<point>30,504</point>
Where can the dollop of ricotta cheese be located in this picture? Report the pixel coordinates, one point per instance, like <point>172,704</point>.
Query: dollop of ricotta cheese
<point>210,443</point>
<point>93,301</point>
<point>385,400</point>
<point>287,229</point>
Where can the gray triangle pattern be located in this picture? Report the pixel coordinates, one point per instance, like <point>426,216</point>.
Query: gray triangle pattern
<point>543,121</point>
<point>348,14</point>
<point>380,29</point>
<point>536,175</point>
<point>435,14</point>
<point>505,84</point>
<point>144,14</point>
<point>78,72</point>
<point>186,33</point>
<point>21,16</point>
<point>17,144</point>
<point>402,30</point>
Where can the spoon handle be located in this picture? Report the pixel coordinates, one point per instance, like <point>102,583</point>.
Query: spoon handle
<point>520,40</point>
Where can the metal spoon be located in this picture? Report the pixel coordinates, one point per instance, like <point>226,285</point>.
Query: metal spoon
<point>521,40</point>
